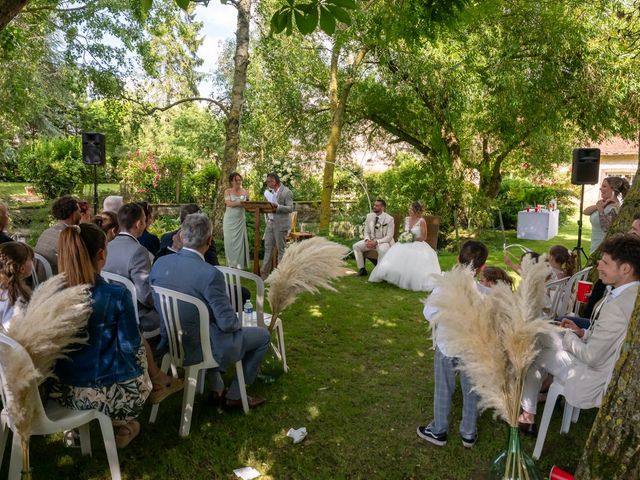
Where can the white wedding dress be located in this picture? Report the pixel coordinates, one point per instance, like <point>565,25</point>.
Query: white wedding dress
<point>411,266</point>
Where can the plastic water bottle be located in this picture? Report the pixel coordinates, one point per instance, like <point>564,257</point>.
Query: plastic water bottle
<point>248,312</point>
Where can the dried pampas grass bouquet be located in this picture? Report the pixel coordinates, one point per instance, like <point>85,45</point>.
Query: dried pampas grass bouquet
<point>494,335</point>
<point>306,266</point>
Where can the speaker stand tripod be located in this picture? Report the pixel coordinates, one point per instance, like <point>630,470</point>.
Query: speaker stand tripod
<point>578,250</point>
<point>95,189</point>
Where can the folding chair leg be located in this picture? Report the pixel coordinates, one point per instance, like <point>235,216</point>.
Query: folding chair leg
<point>283,355</point>
<point>552,396</point>
<point>576,415</point>
<point>15,467</point>
<point>110,446</point>
<point>201,377</point>
<point>4,436</point>
<point>191,378</point>
<point>242,386</point>
<point>85,439</point>
<point>567,415</point>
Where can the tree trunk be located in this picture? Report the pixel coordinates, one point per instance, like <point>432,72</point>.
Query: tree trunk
<point>338,101</point>
<point>232,140</point>
<point>613,446</point>
<point>9,9</point>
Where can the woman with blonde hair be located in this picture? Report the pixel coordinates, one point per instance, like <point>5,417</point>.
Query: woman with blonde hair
<point>16,264</point>
<point>109,372</point>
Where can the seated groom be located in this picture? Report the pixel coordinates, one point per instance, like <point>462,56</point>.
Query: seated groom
<point>187,271</point>
<point>378,235</point>
<point>586,358</point>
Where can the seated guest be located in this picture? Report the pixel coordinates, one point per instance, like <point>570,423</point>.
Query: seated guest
<point>378,235</point>
<point>490,276</point>
<point>188,272</point>
<point>67,211</point>
<point>108,223</point>
<point>4,221</point>
<point>131,260</point>
<point>635,225</point>
<point>148,240</point>
<point>170,242</point>
<point>585,359</point>
<point>16,262</point>
<point>109,373</point>
<point>561,261</point>
<point>112,203</point>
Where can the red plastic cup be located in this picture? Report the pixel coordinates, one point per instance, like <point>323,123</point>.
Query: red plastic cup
<point>584,289</point>
<point>557,474</point>
<point>537,209</point>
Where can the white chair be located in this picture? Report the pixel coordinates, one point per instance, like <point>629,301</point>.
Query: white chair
<point>569,416</point>
<point>555,291</point>
<point>170,314</point>
<point>233,277</point>
<point>52,419</point>
<point>568,302</point>
<point>46,266</point>
<point>128,284</point>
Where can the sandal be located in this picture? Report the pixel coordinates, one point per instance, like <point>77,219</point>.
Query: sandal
<point>161,390</point>
<point>126,433</point>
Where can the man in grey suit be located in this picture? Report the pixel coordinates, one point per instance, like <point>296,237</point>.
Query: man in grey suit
<point>278,223</point>
<point>187,271</point>
<point>583,360</point>
<point>126,257</point>
<point>67,211</point>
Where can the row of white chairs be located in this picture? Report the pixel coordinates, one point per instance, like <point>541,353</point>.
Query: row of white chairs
<point>53,418</point>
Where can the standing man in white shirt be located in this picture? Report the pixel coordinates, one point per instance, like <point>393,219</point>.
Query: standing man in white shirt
<point>586,360</point>
<point>278,223</point>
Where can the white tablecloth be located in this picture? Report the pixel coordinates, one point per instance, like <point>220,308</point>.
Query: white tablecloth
<point>542,225</point>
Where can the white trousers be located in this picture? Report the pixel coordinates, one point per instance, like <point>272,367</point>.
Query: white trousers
<point>360,247</point>
<point>552,359</point>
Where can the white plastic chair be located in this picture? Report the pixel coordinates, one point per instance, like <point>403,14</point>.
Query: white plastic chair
<point>46,266</point>
<point>52,419</point>
<point>170,314</point>
<point>128,284</point>
<point>569,416</point>
<point>233,277</point>
<point>555,291</point>
<point>567,303</point>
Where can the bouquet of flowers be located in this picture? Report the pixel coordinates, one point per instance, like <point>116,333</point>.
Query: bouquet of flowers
<point>406,237</point>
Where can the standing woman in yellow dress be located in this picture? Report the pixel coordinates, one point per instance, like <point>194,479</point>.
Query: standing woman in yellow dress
<point>234,227</point>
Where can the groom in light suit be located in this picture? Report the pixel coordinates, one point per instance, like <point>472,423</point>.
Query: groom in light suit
<point>378,235</point>
<point>278,223</point>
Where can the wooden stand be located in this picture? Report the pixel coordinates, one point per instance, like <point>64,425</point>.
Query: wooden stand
<point>257,208</point>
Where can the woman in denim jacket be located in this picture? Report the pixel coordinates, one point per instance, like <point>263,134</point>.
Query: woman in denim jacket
<point>108,373</point>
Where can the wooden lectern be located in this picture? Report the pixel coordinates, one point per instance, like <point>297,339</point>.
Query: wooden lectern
<point>257,208</point>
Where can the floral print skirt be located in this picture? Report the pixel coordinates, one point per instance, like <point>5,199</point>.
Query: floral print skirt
<point>122,402</point>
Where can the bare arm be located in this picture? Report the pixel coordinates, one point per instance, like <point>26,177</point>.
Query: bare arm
<point>227,199</point>
<point>423,229</point>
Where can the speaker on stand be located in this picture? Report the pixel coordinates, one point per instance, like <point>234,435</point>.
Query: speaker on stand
<point>585,171</point>
<point>94,153</point>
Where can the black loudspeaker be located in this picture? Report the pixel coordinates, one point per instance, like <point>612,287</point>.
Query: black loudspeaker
<point>586,166</point>
<point>93,148</point>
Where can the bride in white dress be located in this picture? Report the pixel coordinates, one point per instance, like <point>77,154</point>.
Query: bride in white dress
<point>410,265</point>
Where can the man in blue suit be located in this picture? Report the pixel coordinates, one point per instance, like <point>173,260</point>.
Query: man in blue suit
<point>187,272</point>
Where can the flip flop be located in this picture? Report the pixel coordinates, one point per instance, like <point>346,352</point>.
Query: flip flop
<point>156,396</point>
<point>132,429</point>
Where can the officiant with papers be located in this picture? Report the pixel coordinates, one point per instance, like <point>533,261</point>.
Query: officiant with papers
<point>278,222</point>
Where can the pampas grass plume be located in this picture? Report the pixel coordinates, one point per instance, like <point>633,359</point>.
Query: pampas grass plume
<point>306,266</point>
<point>494,335</point>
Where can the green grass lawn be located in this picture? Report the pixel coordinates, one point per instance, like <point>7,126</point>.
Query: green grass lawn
<point>361,381</point>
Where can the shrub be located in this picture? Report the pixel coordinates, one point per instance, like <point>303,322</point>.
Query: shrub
<point>54,165</point>
<point>201,184</point>
<point>517,194</point>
